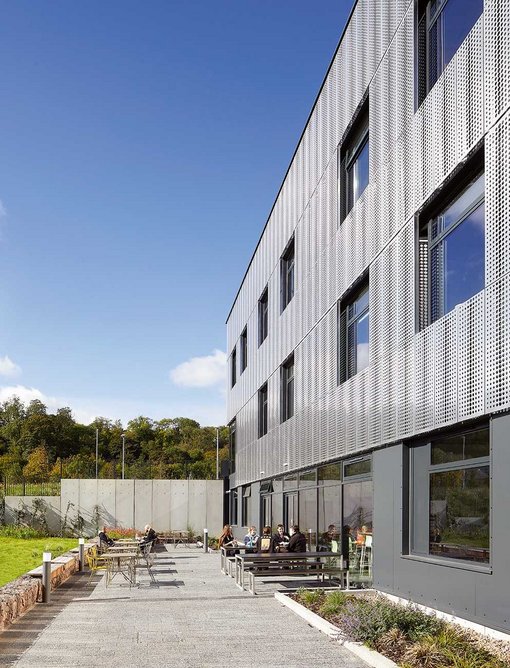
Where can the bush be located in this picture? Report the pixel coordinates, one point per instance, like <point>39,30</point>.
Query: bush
<point>19,531</point>
<point>333,603</point>
<point>310,597</point>
<point>120,532</point>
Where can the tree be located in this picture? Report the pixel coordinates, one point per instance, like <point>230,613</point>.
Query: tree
<point>37,468</point>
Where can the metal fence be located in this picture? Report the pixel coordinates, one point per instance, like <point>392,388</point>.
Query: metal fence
<point>25,488</point>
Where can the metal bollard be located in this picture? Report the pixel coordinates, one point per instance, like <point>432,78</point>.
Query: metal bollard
<point>206,540</point>
<point>46,578</point>
<point>81,553</point>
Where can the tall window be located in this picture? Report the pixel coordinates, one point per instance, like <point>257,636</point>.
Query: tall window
<point>244,349</point>
<point>233,507</point>
<point>451,478</point>
<point>263,411</point>
<point>233,368</point>
<point>353,334</point>
<point>232,445</point>
<point>245,505</point>
<point>263,316</point>
<point>287,389</point>
<point>442,27</point>
<point>452,253</point>
<point>287,275</point>
<point>354,163</point>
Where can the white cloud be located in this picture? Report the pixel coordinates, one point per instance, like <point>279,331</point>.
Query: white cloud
<point>7,367</point>
<point>205,371</point>
<point>27,394</point>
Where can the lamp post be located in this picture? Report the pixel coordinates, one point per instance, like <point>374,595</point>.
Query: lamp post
<point>123,452</point>
<point>217,453</point>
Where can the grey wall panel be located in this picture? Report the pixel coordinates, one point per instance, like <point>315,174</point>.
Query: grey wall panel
<point>124,502</point>
<point>161,502</point>
<point>143,505</point>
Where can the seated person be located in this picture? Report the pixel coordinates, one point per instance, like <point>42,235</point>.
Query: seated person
<point>266,542</point>
<point>361,535</point>
<point>252,538</point>
<point>227,537</point>
<point>280,539</point>
<point>149,536</point>
<point>329,538</point>
<point>104,540</point>
<point>297,542</point>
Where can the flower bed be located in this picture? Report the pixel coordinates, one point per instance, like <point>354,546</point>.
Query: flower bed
<point>404,634</point>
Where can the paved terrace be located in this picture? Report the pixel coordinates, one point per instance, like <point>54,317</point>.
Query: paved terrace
<point>195,617</point>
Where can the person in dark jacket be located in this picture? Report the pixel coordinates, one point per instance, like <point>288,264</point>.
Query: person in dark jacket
<point>149,536</point>
<point>104,540</point>
<point>297,541</point>
<point>280,539</point>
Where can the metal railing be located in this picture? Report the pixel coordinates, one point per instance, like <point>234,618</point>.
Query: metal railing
<point>25,488</point>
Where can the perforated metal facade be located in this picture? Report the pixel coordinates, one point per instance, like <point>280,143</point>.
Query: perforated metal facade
<point>456,368</point>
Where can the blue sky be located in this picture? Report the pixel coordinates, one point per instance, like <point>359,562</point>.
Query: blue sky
<point>142,147</point>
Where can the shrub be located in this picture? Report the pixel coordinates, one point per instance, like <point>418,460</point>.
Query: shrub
<point>392,644</point>
<point>120,532</point>
<point>19,531</point>
<point>333,603</point>
<point>310,597</point>
<point>425,653</point>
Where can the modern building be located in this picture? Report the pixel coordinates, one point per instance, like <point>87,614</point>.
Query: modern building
<point>369,341</point>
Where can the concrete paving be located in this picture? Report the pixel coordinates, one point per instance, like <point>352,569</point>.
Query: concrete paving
<point>194,617</point>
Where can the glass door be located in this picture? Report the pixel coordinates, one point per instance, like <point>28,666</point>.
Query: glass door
<point>290,509</point>
<point>357,530</point>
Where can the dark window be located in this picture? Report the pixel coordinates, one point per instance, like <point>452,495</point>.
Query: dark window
<point>263,316</point>
<point>287,381</point>
<point>244,350</point>
<point>233,507</point>
<point>442,27</point>
<point>233,368</point>
<point>263,411</point>
<point>354,162</point>
<point>451,476</point>
<point>358,467</point>
<point>353,334</point>
<point>287,276</point>
<point>452,253</point>
<point>329,474</point>
<point>232,445</point>
<point>245,507</point>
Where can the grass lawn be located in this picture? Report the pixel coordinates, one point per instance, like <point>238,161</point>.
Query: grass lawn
<point>19,555</point>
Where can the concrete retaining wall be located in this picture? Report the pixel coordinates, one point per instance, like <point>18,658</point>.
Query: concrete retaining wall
<point>169,505</point>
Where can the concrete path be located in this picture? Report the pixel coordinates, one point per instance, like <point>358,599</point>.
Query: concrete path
<point>195,617</point>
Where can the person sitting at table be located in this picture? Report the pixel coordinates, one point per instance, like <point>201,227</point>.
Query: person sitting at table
<point>104,540</point>
<point>149,536</point>
<point>297,542</point>
<point>280,539</point>
<point>251,539</point>
<point>361,535</point>
<point>227,537</point>
<point>266,542</point>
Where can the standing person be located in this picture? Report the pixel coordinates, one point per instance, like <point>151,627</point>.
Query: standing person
<point>227,537</point>
<point>280,539</point>
<point>251,539</point>
<point>297,542</point>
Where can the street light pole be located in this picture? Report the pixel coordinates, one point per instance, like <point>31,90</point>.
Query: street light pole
<point>217,453</point>
<point>123,453</point>
<point>97,450</point>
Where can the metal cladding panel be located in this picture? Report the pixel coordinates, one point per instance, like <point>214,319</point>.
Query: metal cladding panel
<point>497,201</point>
<point>445,380</point>
<point>456,368</point>
<point>470,99</point>
<point>497,317</point>
<point>471,351</point>
<point>424,380</point>
<point>497,58</point>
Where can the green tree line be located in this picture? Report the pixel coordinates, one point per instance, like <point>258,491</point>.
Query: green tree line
<point>38,446</point>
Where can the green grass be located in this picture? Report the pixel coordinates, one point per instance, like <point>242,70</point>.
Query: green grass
<point>18,555</point>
